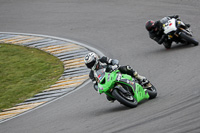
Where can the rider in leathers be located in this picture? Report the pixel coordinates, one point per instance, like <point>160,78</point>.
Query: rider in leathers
<point>93,62</point>
<point>156,31</point>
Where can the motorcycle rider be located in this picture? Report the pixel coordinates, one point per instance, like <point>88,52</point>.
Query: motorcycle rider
<point>93,62</point>
<point>156,31</point>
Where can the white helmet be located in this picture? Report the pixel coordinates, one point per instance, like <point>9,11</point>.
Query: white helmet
<point>91,60</point>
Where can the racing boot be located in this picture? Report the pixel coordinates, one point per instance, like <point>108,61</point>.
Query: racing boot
<point>129,70</point>
<point>142,80</point>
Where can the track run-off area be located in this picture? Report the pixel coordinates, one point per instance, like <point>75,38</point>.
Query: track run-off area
<point>71,53</point>
<point>117,29</point>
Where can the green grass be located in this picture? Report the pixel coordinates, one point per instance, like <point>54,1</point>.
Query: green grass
<point>25,72</point>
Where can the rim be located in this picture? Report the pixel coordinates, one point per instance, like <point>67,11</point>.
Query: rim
<point>130,98</point>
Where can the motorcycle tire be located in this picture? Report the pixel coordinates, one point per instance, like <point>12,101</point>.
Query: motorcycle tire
<point>123,100</point>
<point>167,45</point>
<point>152,92</point>
<point>189,38</point>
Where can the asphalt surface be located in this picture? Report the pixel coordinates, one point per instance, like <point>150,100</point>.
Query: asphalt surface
<point>116,28</point>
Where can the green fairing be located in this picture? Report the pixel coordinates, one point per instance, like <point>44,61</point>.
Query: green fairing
<point>108,81</point>
<point>140,93</point>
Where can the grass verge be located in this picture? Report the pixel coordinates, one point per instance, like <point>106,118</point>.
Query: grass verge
<point>25,72</point>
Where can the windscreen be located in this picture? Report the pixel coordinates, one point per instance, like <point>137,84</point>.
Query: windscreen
<point>101,74</point>
<point>164,20</point>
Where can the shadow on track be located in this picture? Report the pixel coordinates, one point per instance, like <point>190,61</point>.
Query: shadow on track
<point>111,110</point>
<point>175,47</point>
<point>118,108</point>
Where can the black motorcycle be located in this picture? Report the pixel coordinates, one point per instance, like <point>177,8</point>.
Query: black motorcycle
<point>176,31</point>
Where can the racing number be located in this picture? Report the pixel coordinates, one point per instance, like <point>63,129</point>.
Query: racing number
<point>167,24</point>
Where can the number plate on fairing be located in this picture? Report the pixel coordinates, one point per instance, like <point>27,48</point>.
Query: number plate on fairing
<point>170,26</point>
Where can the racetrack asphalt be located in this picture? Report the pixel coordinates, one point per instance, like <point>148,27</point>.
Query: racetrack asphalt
<point>117,29</point>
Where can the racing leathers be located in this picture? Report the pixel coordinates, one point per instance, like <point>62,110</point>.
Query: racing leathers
<point>158,34</point>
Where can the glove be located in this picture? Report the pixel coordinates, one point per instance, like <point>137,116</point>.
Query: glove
<point>111,68</point>
<point>176,16</point>
<point>114,67</point>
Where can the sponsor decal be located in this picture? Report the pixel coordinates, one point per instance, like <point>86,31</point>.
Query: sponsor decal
<point>119,77</point>
<point>100,88</point>
<point>132,83</point>
<point>163,25</point>
<point>108,78</point>
<point>100,77</point>
<point>128,81</point>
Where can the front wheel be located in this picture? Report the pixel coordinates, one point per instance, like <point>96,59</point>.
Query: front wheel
<point>152,92</point>
<point>189,39</point>
<point>128,101</point>
<point>167,45</point>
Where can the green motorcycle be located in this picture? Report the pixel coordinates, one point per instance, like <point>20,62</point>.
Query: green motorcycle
<point>123,88</point>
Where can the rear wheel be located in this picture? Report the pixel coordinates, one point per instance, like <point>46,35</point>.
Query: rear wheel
<point>189,38</point>
<point>127,100</point>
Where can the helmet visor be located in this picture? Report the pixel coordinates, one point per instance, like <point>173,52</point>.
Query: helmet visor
<point>91,64</point>
<point>150,26</point>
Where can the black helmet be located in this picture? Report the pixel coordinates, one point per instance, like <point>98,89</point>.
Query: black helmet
<point>150,25</point>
